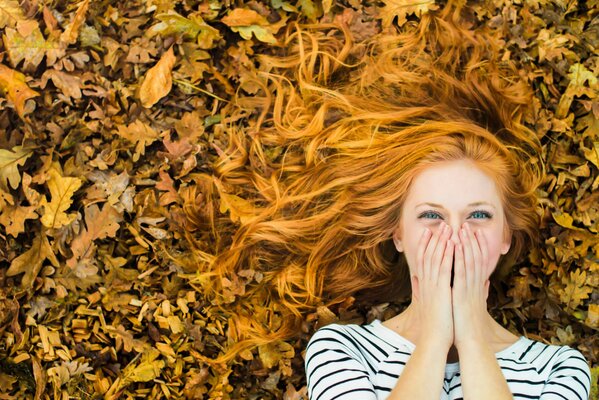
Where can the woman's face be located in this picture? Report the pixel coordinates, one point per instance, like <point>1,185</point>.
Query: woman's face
<point>451,189</point>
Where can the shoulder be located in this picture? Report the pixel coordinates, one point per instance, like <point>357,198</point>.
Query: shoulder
<point>565,369</point>
<point>549,354</point>
<point>333,336</point>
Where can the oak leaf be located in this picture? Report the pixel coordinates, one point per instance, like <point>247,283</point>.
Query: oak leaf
<point>13,218</point>
<point>61,190</point>
<point>30,262</point>
<point>9,162</point>
<point>246,22</point>
<point>575,289</point>
<point>139,133</point>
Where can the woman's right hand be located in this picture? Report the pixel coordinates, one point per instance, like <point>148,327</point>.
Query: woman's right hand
<point>431,290</point>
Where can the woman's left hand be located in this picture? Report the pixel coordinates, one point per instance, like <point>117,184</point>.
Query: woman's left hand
<point>470,288</point>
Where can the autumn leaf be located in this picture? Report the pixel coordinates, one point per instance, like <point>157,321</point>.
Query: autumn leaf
<point>172,23</point>
<point>592,319</point>
<point>69,84</point>
<point>270,354</point>
<point>13,86</point>
<point>70,34</point>
<point>158,80</point>
<point>576,289</point>
<point>564,219</point>
<point>9,162</point>
<point>13,218</point>
<point>100,225</point>
<point>139,133</point>
<point>402,8</point>
<point>61,191</point>
<point>147,369</point>
<point>31,261</point>
<point>10,13</point>
<point>246,22</point>
<point>239,208</point>
<point>30,48</point>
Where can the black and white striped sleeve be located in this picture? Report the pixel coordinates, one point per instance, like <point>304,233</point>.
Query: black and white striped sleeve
<point>334,369</point>
<point>570,377</point>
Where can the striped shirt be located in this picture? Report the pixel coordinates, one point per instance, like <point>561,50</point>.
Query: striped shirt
<point>365,361</point>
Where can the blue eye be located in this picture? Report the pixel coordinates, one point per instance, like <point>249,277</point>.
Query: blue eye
<point>486,214</point>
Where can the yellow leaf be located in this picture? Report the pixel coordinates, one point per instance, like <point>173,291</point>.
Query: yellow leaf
<point>13,86</point>
<point>576,289</point>
<point>69,36</point>
<point>31,261</point>
<point>271,353</point>
<point>564,219</point>
<point>244,17</point>
<point>261,33</point>
<point>9,162</point>
<point>240,209</point>
<point>10,13</point>
<point>158,80</point>
<point>148,368</point>
<point>30,48</point>
<point>401,8</point>
<point>592,319</point>
<point>579,75</point>
<point>61,190</point>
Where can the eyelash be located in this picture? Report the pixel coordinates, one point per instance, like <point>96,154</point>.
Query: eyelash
<point>488,214</point>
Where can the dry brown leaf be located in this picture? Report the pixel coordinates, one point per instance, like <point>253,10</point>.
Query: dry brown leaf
<point>158,80</point>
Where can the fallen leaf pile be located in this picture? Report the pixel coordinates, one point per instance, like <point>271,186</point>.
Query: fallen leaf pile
<point>112,119</point>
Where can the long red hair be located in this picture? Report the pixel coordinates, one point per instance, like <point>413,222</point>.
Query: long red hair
<point>323,153</point>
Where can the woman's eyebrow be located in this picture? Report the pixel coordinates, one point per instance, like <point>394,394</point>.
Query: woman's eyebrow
<point>476,203</point>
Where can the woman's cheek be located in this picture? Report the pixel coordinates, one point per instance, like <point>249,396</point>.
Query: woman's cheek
<point>493,243</point>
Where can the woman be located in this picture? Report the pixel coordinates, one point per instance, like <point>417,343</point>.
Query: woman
<point>452,219</point>
<point>465,197</point>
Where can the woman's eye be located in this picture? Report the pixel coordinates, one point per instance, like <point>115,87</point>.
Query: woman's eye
<point>485,214</point>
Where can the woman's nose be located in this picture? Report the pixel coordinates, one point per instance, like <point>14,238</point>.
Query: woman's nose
<point>454,237</point>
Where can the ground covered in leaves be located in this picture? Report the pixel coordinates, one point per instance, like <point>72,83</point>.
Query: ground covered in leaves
<point>111,119</point>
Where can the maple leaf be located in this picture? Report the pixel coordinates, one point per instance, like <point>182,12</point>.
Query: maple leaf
<point>139,133</point>
<point>14,87</point>
<point>31,261</point>
<point>9,162</point>
<point>158,80</point>
<point>61,190</point>
<point>401,8</point>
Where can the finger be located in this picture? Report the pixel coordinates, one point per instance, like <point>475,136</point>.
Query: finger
<point>445,270</point>
<point>477,264</point>
<point>422,245</point>
<point>459,275</point>
<point>482,242</point>
<point>468,261</point>
<point>439,252</point>
<point>430,251</point>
